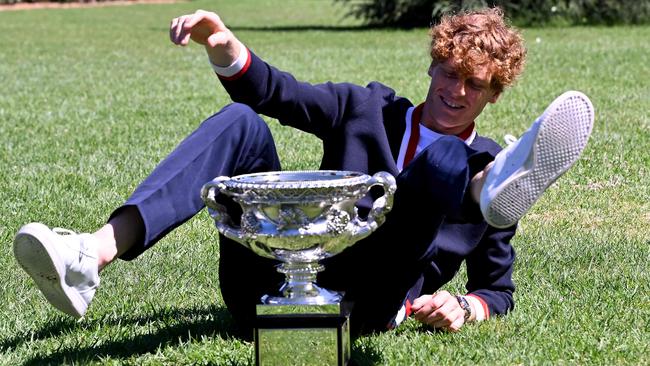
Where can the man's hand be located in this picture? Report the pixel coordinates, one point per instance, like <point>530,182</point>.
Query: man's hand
<point>440,310</point>
<point>207,29</point>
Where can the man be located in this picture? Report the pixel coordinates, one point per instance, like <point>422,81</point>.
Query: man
<point>457,199</point>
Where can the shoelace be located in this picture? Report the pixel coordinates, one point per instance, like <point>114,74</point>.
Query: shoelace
<point>509,139</point>
<point>83,247</point>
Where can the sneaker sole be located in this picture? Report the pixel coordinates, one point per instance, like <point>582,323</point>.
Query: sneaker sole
<point>563,134</point>
<point>38,258</point>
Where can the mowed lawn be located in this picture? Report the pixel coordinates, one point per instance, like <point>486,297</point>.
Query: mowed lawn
<point>92,99</point>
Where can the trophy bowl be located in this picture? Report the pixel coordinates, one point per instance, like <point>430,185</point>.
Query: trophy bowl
<point>299,218</point>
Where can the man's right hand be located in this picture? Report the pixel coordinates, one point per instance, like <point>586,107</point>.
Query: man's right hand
<point>207,29</point>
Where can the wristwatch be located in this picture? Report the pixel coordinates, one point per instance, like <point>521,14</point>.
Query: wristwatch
<point>464,304</point>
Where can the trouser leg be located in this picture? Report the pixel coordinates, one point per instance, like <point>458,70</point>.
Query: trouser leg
<point>378,271</point>
<point>231,142</point>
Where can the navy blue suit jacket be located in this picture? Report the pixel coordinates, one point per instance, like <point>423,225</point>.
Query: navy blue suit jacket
<point>361,129</point>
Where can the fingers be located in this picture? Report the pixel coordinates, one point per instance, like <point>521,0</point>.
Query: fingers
<point>440,310</point>
<point>457,324</point>
<point>446,316</point>
<point>434,308</point>
<point>200,27</point>
<point>202,15</point>
<point>172,30</point>
<point>420,302</point>
<point>426,304</point>
<point>177,32</point>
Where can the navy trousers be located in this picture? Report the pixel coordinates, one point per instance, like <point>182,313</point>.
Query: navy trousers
<point>376,273</point>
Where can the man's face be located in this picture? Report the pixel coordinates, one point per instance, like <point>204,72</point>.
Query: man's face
<point>455,100</point>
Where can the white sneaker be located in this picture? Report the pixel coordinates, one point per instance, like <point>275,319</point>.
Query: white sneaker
<point>63,265</point>
<point>524,169</point>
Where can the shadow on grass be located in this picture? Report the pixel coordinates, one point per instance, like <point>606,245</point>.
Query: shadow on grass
<point>51,329</point>
<point>306,28</point>
<point>179,327</point>
<point>297,28</point>
<point>184,325</point>
<point>365,355</point>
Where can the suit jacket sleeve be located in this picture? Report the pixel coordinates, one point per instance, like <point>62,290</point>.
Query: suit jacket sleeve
<point>489,271</point>
<point>316,109</point>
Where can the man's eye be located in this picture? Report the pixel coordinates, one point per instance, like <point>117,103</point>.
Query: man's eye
<point>476,86</point>
<point>450,75</point>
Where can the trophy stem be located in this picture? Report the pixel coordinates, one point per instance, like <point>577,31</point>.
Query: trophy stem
<point>300,279</point>
<point>300,286</point>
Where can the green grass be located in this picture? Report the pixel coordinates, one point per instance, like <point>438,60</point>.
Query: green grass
<point>92,99</point>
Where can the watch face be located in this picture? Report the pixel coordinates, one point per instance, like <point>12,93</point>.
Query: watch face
<point>462,301</point>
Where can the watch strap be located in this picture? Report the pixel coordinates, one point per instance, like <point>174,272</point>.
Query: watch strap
<point>464,304</point>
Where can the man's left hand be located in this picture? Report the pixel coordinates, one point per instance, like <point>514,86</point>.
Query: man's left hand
<point>440,310</point>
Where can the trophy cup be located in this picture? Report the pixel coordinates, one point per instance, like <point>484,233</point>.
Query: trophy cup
<point>300,218</point>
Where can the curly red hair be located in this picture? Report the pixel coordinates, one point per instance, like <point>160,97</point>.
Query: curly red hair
<point>480,38</point>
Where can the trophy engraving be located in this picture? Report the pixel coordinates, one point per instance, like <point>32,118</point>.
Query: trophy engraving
<point>299,218</point>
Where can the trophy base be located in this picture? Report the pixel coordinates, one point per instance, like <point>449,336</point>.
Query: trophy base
<point>317,296</point>
<point>302,334</point>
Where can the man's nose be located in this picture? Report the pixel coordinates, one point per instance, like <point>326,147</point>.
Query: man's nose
<point>458,87</point>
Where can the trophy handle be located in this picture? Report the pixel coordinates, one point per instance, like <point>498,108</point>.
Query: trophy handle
<point>383,204</point>
<point>218,211</point>
<point>380,207</point>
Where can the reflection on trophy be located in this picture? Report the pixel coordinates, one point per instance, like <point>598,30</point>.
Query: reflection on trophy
<point>300,218</point>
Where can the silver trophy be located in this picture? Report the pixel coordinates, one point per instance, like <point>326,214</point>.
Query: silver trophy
<point>300,218</point>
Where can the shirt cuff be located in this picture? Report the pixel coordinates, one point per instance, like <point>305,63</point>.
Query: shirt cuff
<point>479,306</point>
<point>236,67</point>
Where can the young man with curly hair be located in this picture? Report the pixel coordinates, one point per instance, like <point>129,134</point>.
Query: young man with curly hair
<point>458,197</point>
